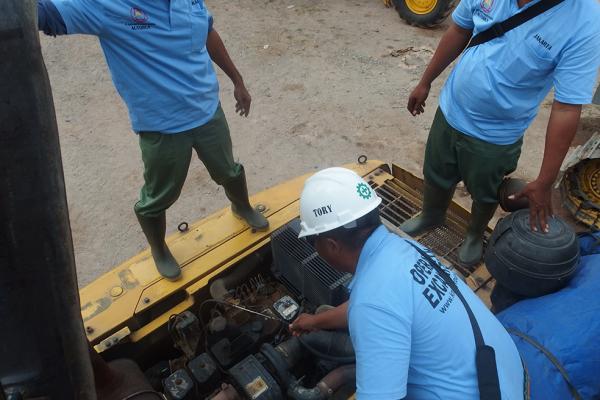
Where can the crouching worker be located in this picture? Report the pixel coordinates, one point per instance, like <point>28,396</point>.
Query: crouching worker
<point>410,330</point>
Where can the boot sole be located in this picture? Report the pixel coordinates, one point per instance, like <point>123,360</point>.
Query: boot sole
<point>171,279</point>
<point>256,228</point>
<point>423,230</point>
<point>469,263</point>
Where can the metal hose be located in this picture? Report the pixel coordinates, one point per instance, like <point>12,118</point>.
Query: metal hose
<point>326,386</point>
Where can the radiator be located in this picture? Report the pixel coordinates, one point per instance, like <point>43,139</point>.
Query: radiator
<point>298,266</point>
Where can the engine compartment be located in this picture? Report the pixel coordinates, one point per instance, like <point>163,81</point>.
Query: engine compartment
<point>236,344</point>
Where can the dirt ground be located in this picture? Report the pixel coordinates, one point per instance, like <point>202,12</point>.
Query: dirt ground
<point>329,81</point>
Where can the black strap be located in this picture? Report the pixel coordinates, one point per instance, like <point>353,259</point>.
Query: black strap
<point>444,275</point>
<point>552,359</point>
<point>485,358</point>
<point>511,23</point>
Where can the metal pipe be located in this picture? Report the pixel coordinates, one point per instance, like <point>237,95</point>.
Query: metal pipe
<point>326,387</point>
<point>42,341</point>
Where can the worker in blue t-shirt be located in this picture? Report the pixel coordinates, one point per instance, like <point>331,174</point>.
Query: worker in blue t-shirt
<point>411,334</point>
<point>492,96</point>
<point>160,56</point>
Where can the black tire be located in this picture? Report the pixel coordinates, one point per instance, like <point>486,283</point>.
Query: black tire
<point>436,16</point>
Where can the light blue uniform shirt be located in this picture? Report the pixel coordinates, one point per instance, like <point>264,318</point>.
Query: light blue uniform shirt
<point>495,89</point>
<point>412,335</point>
<point>156,53</point>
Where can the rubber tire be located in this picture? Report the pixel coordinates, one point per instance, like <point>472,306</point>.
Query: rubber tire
<point>442,9</point>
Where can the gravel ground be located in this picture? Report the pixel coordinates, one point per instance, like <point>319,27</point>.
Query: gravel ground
<point>329,81</point>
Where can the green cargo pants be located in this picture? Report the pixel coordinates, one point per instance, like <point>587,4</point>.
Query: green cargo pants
<point>167,159</point>
<point>452,156</point>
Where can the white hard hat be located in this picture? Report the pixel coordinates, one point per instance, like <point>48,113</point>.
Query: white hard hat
<point>332,198</point>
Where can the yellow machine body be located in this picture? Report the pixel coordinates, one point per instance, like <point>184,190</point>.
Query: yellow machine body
<point>132,303</point>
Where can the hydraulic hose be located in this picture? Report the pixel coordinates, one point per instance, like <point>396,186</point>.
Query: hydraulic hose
<point>329,345</point>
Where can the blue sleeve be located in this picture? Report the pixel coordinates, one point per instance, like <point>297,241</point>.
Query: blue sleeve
<point>381,342</point>
<point>576,71</point>
<point>81,16</point>
<point>463,15</point>
<point>49,19</point>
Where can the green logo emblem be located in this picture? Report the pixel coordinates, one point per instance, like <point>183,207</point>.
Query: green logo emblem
<point>363,191</point>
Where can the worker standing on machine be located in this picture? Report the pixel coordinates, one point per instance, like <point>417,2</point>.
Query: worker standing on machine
<point>411,335</point>
<point>493,94</point>
<point>160,57</point>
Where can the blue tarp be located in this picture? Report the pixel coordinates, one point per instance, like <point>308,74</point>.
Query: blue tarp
<point>567,324</point>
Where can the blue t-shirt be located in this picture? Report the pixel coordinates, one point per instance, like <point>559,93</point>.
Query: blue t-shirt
<point>156,53</point>
<point>495,89</point>
<point>412,335</point>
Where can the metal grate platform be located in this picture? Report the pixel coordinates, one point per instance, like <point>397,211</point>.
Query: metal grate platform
<point>401,202</point>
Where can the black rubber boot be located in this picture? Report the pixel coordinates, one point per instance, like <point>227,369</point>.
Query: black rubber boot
<point>435,203</point>
<point>237,192</point>
<point>154,228</point>
<point>471,250</point>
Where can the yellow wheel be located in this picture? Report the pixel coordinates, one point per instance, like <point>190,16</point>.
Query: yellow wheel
<point>421,7</point>
<point>424,13</point>
<point>580,189</point>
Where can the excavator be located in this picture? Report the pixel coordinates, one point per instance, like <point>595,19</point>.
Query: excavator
<point>220,332</point>
<point>422,13</point>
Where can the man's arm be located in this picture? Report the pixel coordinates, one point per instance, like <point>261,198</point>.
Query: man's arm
<point>218,53</point>
<point>336,318</point>
<point>451,45</point>
<point>562,127</point>
<point>66,17</point>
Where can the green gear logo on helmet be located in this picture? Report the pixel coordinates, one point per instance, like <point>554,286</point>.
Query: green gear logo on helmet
<point>363,191</point>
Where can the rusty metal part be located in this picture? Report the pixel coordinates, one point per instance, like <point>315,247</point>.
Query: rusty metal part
<point>120,379</point>
<point>185,332</point>
<point>227,392</point>
<point>326,387</point>
<point>339,377</point>
<point>509,187</point>
<point>220,287</point>
<point>580,189</point>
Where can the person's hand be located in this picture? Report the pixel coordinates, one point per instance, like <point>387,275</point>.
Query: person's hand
<point>243,100</point>
<point>305,323</point>
<point>540,204</point>
<point>416,100</point>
